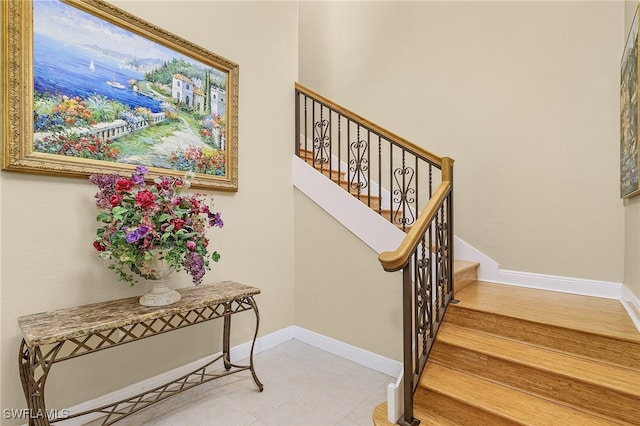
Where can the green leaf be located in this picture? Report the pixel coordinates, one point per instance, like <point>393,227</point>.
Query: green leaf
<point>164,218</point>
<point>103,217</point>
<point>186,236</point>
<point>119,210</point>
<point>215,256</point>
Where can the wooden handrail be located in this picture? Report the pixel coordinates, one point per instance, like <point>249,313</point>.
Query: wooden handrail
<point>421,152</point>
<point>395,260</point>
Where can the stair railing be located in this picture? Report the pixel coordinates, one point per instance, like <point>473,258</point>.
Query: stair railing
<point>425,257</point>
<point>387,172</point>
<point>397,179</point>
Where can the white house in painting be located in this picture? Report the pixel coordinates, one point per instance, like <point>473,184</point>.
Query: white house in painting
<point>186,91</point>
<point>182,89</point>
<point>218,101</point>
<point>198,100</point>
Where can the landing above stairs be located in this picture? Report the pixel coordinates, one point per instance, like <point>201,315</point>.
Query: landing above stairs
<point>589,326</point>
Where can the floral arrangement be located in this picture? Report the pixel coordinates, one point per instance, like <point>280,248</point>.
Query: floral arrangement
<point>140,221</point>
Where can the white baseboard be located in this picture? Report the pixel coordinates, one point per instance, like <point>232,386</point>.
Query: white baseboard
<point>360,356</point>
<point>581,286</point>
<point>631,304</point>
<point>490,271</point>
<point>242,351</point>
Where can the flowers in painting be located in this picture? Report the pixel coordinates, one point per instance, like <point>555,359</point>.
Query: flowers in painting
<point>139,221</point>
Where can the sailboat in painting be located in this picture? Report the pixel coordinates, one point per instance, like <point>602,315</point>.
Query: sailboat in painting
<point>116,85</point>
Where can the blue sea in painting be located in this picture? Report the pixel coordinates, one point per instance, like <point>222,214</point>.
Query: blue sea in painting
<point>74,71</point>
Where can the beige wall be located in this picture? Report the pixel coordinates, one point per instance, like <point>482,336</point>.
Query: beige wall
<point>341,289</point>
<point>523,95</point>
<point>631,206</point>
<point>48,222</point>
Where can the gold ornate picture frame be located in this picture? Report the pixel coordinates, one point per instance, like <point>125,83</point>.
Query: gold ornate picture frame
<point>89,88</point>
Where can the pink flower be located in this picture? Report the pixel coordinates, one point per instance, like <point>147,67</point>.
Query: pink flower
<point>191,245</point>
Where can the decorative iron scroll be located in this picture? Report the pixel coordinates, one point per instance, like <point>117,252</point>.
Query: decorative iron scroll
<point>321,141</point>
<point>404,196</point>
<point>424,300</point>
<point>358,164</point>
<point>442,236</point>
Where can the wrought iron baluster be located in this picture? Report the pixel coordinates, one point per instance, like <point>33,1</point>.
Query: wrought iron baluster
<point>416,205</point>
<point>369,168</point>
<point>380,174</point>
<point>358,164</point>
<point>339,149</point>
<point>430,181</point>
<point>321,142</point>
<point>306,121</point>
<point>403,214</point>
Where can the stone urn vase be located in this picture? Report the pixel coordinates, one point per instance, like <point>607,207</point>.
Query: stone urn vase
<point>158,273</point>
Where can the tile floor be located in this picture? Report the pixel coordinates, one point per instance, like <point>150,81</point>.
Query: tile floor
<point>303,386</point>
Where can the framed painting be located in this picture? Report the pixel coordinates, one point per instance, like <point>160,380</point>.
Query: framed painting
<point>89,88</point>
<point>629,155</point>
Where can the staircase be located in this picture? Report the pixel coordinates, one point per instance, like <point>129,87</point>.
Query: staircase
<point>502,355</point>
<point>507,355</point>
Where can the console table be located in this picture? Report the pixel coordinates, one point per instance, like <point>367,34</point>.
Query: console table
<point>60,335</point>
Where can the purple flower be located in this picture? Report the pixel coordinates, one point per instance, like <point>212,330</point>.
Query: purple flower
<point>195,267</point>
<point>138,176</point>
<point>141,170</point>
<point>215,220</point>
<point>136,234</point>
<point>106,183</point>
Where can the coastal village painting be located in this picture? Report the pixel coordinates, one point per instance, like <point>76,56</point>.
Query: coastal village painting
<point>629,156</point>
<point>101,92</point>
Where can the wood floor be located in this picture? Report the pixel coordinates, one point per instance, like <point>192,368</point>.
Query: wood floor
<point>507,355</point>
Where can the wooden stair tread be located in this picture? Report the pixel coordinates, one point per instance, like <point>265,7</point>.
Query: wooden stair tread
<point>585,313</point>
<point>432,418</point>
<point>501,401</point>
<point>425,417</point>
<point>618,378</point>
<point>460,266</point>
<point>379,415</point>
<point>466,274</point>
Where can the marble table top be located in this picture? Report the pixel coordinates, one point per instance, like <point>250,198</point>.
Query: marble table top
<point>63,324</point>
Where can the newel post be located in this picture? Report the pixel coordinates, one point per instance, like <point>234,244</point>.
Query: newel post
<point>407,337</point>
